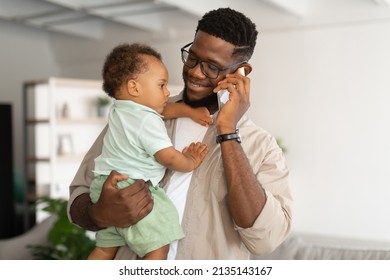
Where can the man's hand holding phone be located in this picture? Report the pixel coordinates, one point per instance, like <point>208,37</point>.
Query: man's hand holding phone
<point>223,94</point>
<point>233,98</point>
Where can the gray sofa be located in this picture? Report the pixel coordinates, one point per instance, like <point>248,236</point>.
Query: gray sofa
<point>15,248</point>
<point>296,247</point>
<point>299,246</point>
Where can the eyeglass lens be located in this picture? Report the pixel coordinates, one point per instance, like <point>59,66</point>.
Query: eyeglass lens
<point>207,69</point>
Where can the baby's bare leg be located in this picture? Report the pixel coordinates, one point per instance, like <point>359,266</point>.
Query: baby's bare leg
<point>103,253</point>
<point>159,254</point>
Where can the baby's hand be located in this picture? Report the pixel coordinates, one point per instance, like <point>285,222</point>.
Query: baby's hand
<point>196,152</point>
<point>201,115</point>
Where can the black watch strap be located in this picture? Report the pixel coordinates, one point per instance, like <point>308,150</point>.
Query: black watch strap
<point>229,136</point>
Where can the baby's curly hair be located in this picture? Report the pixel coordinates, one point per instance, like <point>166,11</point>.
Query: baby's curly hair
<point>233,27</point>
<point>123,63</point>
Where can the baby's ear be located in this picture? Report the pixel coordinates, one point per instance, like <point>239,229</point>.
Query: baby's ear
<point>132,88</point>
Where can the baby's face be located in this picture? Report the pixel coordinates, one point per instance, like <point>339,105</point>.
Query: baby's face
<point>153,85</point>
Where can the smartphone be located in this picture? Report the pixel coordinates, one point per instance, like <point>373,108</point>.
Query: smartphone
<point>223,94</point>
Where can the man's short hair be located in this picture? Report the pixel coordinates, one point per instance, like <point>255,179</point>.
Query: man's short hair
<point>233,27</point>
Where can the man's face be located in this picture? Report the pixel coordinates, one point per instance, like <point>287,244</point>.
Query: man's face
<point>198,88</point>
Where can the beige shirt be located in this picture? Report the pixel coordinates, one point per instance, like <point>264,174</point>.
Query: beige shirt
<point>210,232</point>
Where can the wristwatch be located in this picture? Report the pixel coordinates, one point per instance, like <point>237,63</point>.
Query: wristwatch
<point>229,136</point>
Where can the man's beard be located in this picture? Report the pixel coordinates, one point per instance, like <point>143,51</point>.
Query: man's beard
<point>209,101</point>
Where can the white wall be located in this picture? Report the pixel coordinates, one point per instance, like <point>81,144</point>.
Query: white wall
<point>81,58</point>
<point>324,91</point>
<point>25,54</point>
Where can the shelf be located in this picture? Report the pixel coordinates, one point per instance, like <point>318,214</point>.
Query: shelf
<point>36,121</point>
<point>65,157</point>
<point>91,120</point>
<point>37,159</point>
<point>56,145</point>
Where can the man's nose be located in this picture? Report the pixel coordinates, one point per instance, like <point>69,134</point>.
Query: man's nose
<point>197,72</point>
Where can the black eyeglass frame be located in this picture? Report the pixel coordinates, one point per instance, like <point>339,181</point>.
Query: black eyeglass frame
<point>200,62</point>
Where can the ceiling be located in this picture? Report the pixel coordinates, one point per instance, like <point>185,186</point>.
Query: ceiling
<point>89,18</point>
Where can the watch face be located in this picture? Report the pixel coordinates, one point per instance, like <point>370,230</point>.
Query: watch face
<point>219,139</point>
<point>230,136</point>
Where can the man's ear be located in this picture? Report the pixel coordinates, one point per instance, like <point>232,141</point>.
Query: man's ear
<point>132,88</point>
<point>248,68</point>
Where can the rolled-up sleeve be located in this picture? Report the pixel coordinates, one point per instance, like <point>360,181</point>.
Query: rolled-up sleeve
<point>273,224</point>
<point>270,229</point>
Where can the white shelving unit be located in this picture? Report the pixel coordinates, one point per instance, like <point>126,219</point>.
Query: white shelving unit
<point>61,124</point>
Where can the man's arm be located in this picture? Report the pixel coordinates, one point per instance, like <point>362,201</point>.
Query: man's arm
<point>108,211</point>
<point>246,197</point>
<point>268,217</point>
<point>267,163</point>
<point>115,207</point>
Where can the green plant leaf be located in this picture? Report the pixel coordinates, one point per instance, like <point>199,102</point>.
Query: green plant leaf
<point>66,240</point>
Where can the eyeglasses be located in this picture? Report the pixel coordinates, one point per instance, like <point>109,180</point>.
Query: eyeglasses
<point>208,69</point>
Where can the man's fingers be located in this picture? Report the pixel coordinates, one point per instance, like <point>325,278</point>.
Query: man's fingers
<point>114,178</point>
<point>146,205</point>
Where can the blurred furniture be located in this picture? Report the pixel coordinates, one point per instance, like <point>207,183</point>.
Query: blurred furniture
<point>61,123</point>
<point>15,248</point>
